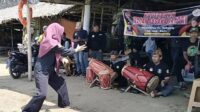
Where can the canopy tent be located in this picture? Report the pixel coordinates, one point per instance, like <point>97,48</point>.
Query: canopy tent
<point>39,10</point>
<point>9,20</point>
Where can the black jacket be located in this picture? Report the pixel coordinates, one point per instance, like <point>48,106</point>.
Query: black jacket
<point>80,38</point>
<point>97,41</point>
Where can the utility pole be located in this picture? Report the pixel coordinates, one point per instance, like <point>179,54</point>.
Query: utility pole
<point>86,22</point>
<point>29,42</point>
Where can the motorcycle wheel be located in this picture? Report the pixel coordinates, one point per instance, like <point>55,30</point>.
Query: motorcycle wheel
<point>14,75</point>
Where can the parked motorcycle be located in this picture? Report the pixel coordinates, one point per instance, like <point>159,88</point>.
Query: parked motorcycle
<point>18,61</point>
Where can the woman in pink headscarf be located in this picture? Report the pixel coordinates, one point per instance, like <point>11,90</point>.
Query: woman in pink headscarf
<point>47,66</point>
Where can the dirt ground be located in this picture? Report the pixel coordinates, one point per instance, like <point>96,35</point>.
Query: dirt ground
<point>16,93</point>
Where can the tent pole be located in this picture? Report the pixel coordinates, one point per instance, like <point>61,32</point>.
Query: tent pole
<point>87,9</point>
<point>29,43</point>
<point>94,17</point>
<point>102,12</point>
<point>82,15</point>
<point>12,37</point>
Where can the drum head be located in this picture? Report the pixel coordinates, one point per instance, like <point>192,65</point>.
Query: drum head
<point>105,81</point>
<point>104,72</point>
<point>152,84</point>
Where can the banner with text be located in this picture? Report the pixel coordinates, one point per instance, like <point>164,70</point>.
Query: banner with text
<point>161,23</point>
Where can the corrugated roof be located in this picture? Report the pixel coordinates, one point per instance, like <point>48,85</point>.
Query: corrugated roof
<point>40,9</point>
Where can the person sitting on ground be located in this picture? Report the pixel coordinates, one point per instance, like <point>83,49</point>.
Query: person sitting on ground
<point>160,69</point>
<point>132,49</point>
<point>117,63</point>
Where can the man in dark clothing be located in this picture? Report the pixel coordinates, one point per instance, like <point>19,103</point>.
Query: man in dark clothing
<point>177,60</point>
<point>163,44</point>
<point>96,43</point>
<point>133,44</point>
<point>66,42</point>
<point>160,69</point>
<point>117,64</point>
<point>81,58</point>
<point>191,48</point>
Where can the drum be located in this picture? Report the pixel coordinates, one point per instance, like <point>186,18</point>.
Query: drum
<point>143,80</point>
<point>90,76</point>
<point>98,67</point>
<point>104,80</point>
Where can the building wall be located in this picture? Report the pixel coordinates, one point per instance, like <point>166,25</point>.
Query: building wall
<point>6,36</point>
<point>69,27</point>
<point>38,23</point>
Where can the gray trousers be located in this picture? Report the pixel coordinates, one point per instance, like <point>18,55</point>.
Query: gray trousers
<point>42,80</point>
<point>167,90</point>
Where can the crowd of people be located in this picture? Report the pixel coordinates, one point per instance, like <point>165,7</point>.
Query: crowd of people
<point>54,44</point>
<point>96,45</point>
<point>165,58</point>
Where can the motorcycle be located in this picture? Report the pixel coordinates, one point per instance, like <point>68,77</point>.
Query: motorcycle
<point>18,61</point>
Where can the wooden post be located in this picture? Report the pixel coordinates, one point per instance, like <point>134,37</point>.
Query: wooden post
<point>102,11</point>
<point>87,9</point>
<point>118,4</point>
<point>82,15</point>
<point>12,36</point>
<point>94,17</point>
<point>29,43</point>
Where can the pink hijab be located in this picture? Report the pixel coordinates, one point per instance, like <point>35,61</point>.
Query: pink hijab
<point>52,38</point>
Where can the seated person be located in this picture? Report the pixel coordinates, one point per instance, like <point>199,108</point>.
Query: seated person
<point>132,49</point>
<point>191,49</point>
<point>158,68</point>
<point>117,64</point>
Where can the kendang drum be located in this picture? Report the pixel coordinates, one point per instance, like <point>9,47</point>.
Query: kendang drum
<point>142,79</point>
<point>90,76</point>
<point>105,74</point>
<point>104,80</point>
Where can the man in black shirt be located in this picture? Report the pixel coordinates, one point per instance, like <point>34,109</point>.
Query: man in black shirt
<point>117,63</point>
<point>96,43</point>
<point>133,46</point>
<point>160,69</point>
<point>176,45</point>
<point>191,48</point>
